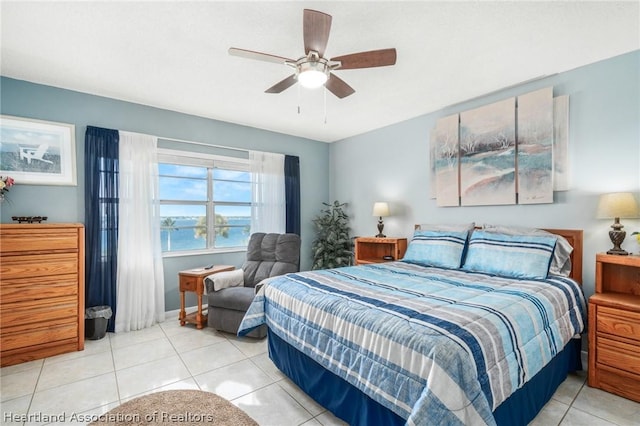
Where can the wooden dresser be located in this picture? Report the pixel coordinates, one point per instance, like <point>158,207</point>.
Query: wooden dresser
<point>41,291</point>
<point>614,326</point>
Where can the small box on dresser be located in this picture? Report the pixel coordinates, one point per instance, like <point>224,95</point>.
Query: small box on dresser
<point>41,291</point>
<point>614,326</point>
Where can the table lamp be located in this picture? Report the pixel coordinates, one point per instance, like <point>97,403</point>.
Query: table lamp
<point>380,209</point>
<point>615,206</point>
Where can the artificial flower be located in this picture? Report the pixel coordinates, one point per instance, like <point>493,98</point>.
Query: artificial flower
<point>6,182</point>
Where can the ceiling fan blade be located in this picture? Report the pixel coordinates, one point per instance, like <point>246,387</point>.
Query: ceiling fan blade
<point>258,56</point>
<point>316,27</point>
<point>282,85</point>
<point>338,87</point>
<point>373,58</point>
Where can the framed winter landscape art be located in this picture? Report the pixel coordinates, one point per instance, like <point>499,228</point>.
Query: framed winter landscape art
<point>513,151</point>
<point>488,154</point>
<point>446,159</point>
<point>535,147</point>
<point>37,152</point>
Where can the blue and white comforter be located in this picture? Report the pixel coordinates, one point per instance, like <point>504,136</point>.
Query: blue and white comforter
<point>435,346</point>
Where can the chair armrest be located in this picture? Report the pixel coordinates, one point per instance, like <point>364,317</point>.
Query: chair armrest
<point>220,280</point>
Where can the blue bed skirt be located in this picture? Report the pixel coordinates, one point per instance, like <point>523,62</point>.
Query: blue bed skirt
<point>356,408</point>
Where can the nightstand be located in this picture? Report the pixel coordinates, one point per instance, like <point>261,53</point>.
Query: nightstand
<point>193,280</point>
<point>373,249</point>
<point>614,326</point>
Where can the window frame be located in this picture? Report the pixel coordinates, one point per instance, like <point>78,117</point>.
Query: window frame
<point>210,161</point>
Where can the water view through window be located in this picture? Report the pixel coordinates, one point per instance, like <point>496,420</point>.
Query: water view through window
<point>204,207</point>
<point>185,234</point>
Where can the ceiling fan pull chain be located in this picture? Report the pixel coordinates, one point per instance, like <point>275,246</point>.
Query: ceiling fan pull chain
<point>298,99</point>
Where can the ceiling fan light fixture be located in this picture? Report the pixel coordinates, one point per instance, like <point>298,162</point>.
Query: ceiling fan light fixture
<point>312,79</point>
<point>312,71</point>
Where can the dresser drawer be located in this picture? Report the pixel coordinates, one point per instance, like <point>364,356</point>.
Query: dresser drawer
<point>38,312</point>
<point>618,323</point>
<point>33,240</point>
<point>19,290</point>
<point>51,331</point>
<point>620,355</point>
<point>36,266</point>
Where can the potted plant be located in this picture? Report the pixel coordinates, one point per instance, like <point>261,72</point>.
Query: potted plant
<point>332,247</point>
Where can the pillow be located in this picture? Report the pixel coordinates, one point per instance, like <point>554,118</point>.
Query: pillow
<point>513,256</point>
<point>469,227</point>
<point>436,248</point>
<point>561,262</point>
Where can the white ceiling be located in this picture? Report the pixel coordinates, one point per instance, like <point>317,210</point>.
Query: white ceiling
<point>173,54</point>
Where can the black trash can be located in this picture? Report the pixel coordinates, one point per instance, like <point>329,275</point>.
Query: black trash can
<point>95,322</point>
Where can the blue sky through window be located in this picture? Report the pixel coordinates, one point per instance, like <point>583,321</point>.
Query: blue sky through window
<point>189,183</point>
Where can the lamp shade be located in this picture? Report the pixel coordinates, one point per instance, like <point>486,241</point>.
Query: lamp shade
<point>619,204</point>
<point>380,209</point>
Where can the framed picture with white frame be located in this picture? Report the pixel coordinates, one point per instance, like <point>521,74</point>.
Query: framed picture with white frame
<point>37,152</point>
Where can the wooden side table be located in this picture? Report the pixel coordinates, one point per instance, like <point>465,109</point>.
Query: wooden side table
<point>193,280</point>
<point>614,326</point>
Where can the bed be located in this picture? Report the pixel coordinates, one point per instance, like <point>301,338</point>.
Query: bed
<point>426,340</point>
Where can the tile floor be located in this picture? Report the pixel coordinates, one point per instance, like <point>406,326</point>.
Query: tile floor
<point>119,367</point>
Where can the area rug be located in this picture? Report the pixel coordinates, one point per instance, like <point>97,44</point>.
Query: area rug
<point>184,407</point>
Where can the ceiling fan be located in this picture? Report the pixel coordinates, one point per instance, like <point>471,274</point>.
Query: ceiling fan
<point>313,69</point>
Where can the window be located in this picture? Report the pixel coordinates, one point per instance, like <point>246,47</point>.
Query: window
<point>205,202</point>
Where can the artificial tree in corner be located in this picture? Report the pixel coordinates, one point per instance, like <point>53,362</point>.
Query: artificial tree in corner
<point>332,247</point>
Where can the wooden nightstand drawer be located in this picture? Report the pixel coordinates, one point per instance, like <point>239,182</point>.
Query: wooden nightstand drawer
<point>622,356</point>
<point>188,283</point>
<point>618,323</point>
<point>617,381</point>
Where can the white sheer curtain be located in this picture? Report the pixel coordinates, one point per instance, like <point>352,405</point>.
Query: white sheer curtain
<point>140,282</point>
<point>268,212</point>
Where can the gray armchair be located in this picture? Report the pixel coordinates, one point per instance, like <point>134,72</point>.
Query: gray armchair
<point>268,255</point>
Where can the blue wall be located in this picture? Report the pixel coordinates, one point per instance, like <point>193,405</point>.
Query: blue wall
<point>392,164</point>
<point>387,164</point>
<point>66,203</point>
